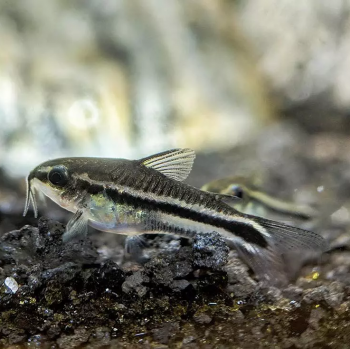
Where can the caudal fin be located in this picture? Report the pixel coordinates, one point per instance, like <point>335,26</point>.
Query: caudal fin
<point>289,239</point>
<point>269,262</point>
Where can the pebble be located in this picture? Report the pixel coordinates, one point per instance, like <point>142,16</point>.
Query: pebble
<point>11,285</point>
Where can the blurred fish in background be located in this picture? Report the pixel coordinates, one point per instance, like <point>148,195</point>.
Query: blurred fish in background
<point>250,198</point>
<point>255,87</point>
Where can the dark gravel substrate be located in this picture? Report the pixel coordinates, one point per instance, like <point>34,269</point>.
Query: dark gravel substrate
<point>58,295</point>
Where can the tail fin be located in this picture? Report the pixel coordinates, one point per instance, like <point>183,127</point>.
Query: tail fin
<point>270,263</point>
<point>288,239</point>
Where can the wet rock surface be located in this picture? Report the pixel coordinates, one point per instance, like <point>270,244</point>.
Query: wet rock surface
<point>197,295</point>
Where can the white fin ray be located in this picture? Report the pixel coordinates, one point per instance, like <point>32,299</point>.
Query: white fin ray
<point>35,207</point>
<point>288,239</point>
<point>28,198</point>
<point>135,244</point>
<point>175,164</point>
<point>76,227</point>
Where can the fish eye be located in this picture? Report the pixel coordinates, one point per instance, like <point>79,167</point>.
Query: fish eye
<point>58,176</point>
<point>237,191</point>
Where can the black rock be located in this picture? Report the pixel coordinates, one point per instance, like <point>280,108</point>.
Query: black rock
<point>210,251</point>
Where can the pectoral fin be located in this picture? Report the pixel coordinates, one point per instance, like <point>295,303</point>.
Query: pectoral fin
<point>134,246</point>
<point>76,227</point>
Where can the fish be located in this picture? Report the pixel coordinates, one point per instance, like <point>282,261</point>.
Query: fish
<point>148,196</point>
<point>251,199</point>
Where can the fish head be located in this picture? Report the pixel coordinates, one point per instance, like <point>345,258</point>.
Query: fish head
<point>65,180</point>
<point>52,178</point>
<point>238,190</point>
<point>234,186</point>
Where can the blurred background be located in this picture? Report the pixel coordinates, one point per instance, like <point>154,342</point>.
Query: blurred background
<point>259,88</point>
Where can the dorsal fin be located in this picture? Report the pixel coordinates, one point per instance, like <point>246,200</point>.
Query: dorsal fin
<point>175,163</point>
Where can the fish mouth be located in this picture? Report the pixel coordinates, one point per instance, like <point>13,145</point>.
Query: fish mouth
<point>30,198</point>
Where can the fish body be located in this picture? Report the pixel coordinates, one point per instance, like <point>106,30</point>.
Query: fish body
<point>135,197</point>
<point>253,200</point>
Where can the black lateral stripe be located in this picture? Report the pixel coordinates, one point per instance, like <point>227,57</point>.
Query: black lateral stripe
<point>165,188</point>
<point>245,231</point>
